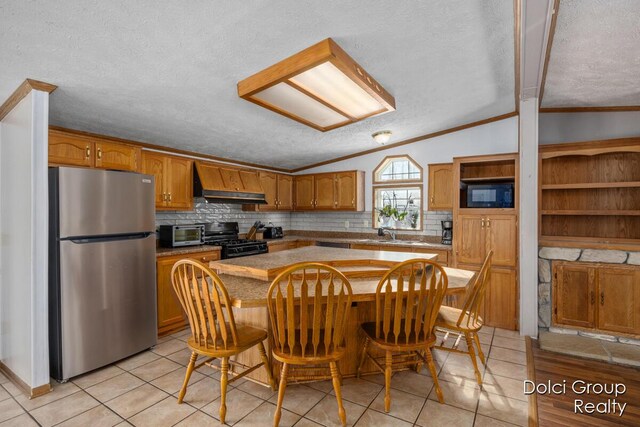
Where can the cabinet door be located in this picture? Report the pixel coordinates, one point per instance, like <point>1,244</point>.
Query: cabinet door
<point>304,192</point>
<point>619,299</point>
<point>269,182</point>
<point>470,248</point>
<point>574,295</point>
<point>67,149</point>
<point>180,183</point>
<point>155,164</point>
<point>502,239</point>
<point>500,301</point>
<point>285,192</point>
<point>111,155</point>
<point>441,187</point>
<point>346,190</point>
<point>325,186</point>
<point>250,181</point>
<point>170,314</point>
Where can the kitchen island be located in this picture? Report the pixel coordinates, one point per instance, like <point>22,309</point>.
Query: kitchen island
<point>247,280</point>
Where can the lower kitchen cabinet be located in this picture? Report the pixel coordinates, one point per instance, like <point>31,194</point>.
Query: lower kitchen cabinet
<point>500,308</point>
<point>171,318</point>
<point>601,297</point>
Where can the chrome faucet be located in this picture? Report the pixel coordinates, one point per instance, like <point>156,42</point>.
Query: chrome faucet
<point>384,230</point>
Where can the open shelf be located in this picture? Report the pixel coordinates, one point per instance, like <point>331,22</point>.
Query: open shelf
<point>489,179</point>
<point>589,185</point>
<point>603,207</point>
<point>578,212</point>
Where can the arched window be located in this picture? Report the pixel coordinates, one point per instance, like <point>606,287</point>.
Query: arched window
<point>397,194</point>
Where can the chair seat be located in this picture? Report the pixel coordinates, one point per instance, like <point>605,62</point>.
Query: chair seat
<point>369,328</point>
<point>448,318</point>
<point>297,358</point>
<point>248,336</point>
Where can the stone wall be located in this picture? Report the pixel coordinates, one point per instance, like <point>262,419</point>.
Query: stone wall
<point>548,254</point>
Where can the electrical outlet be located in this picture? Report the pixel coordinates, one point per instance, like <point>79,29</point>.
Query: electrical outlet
<point>346,224</point>
<point>366,223</point>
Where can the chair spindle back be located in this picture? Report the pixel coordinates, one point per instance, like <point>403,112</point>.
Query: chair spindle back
<point>470,314</point>
<point>206,302</point>
<point>308,307</point>
<point>408,298</point>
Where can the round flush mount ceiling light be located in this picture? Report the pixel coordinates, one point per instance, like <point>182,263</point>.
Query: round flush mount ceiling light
<point>382,136</point>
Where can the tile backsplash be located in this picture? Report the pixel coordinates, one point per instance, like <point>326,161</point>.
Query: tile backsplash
<point>308,221</point>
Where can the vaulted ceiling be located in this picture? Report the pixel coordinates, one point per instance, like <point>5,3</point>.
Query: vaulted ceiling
<point>166,72</point>
<point>595,55</point>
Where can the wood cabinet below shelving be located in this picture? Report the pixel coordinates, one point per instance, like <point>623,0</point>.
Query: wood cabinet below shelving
<point>599,297</point>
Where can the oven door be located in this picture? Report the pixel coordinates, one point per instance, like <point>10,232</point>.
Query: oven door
<point>188,236</point>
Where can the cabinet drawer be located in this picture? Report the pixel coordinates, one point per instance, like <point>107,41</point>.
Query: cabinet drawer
<point>443,256</point>
<point>205,257</point>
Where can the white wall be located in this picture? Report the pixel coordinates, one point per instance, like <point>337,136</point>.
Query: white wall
<point>24,345</point>
<point>573,127</point>
<point>492,138</point>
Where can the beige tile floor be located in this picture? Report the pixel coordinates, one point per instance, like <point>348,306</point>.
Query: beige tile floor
<point>142,390</point>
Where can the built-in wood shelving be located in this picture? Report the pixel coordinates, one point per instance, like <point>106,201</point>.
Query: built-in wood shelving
<point>603,204</point>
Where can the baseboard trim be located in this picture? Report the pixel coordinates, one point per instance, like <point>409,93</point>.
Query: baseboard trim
<point>29,391</point>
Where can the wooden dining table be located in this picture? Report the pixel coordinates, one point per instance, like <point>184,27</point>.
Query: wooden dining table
<point>247,280</point>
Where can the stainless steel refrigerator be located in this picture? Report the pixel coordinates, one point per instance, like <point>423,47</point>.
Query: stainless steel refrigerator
<point>102,277</point>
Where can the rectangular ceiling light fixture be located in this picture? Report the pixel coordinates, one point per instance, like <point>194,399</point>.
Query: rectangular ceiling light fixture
<point>321,87</point>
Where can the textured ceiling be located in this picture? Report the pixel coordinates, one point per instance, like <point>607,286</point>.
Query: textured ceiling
<point>595,56</point>
<point>166,72</point>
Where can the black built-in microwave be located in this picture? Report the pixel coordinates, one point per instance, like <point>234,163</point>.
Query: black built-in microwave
<point>494,195</point>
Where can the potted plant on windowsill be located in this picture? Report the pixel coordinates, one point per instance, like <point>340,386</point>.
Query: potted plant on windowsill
<point>388,214</point>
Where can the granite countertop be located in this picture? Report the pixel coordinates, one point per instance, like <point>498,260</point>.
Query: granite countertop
<point>246,292</point>
<point>186,250</point>
<point>267,266</point>
<point>362,241</point>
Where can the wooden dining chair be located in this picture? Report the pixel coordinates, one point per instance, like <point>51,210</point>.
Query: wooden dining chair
<point>466,322</point>
<point>408,298</point>
<point>309,306</point>
<point>214,332</point>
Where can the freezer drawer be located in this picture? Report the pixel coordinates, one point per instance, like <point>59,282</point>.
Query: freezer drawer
<point>92,202</point>
<point>107,302</point>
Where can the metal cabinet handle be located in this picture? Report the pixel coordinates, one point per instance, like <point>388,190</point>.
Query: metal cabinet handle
<point>593,297</point>
<point>482,222</point>
<point>432,199</point>
<point>99,153</point>
<point>87,152</point>
<point>353,202</point>
<point>488,223</point>
<point>602,298</point>
<point>164,197</point>
<point>169,196</point>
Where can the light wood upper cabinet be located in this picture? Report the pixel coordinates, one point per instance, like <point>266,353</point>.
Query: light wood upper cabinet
<point>154,164</point>
<point>574,295</point>
<point>619,300</point>
<point>174,180</point>
<point>179,183</point>
<point>325,191</point>
<point>304,185</point>
<point>285,192</point>
<point>471,239</point>
<point>269,182</point>
<point>330,191</point>
<point>346,191</point>
<point>66,148</point>
<point>441,187</point>
<point>70,149</point>
<point>278,192</point>
<point>110,155</point>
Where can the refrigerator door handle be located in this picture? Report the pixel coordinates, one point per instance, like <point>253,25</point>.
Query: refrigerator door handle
<point>83,240</point>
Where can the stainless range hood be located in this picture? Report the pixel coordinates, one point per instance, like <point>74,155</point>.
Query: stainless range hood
<point>222,184</point>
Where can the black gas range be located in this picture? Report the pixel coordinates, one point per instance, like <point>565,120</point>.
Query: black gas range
<point>225,235</point>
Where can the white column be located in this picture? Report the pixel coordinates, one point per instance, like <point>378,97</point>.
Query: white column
<point>528,219</point>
